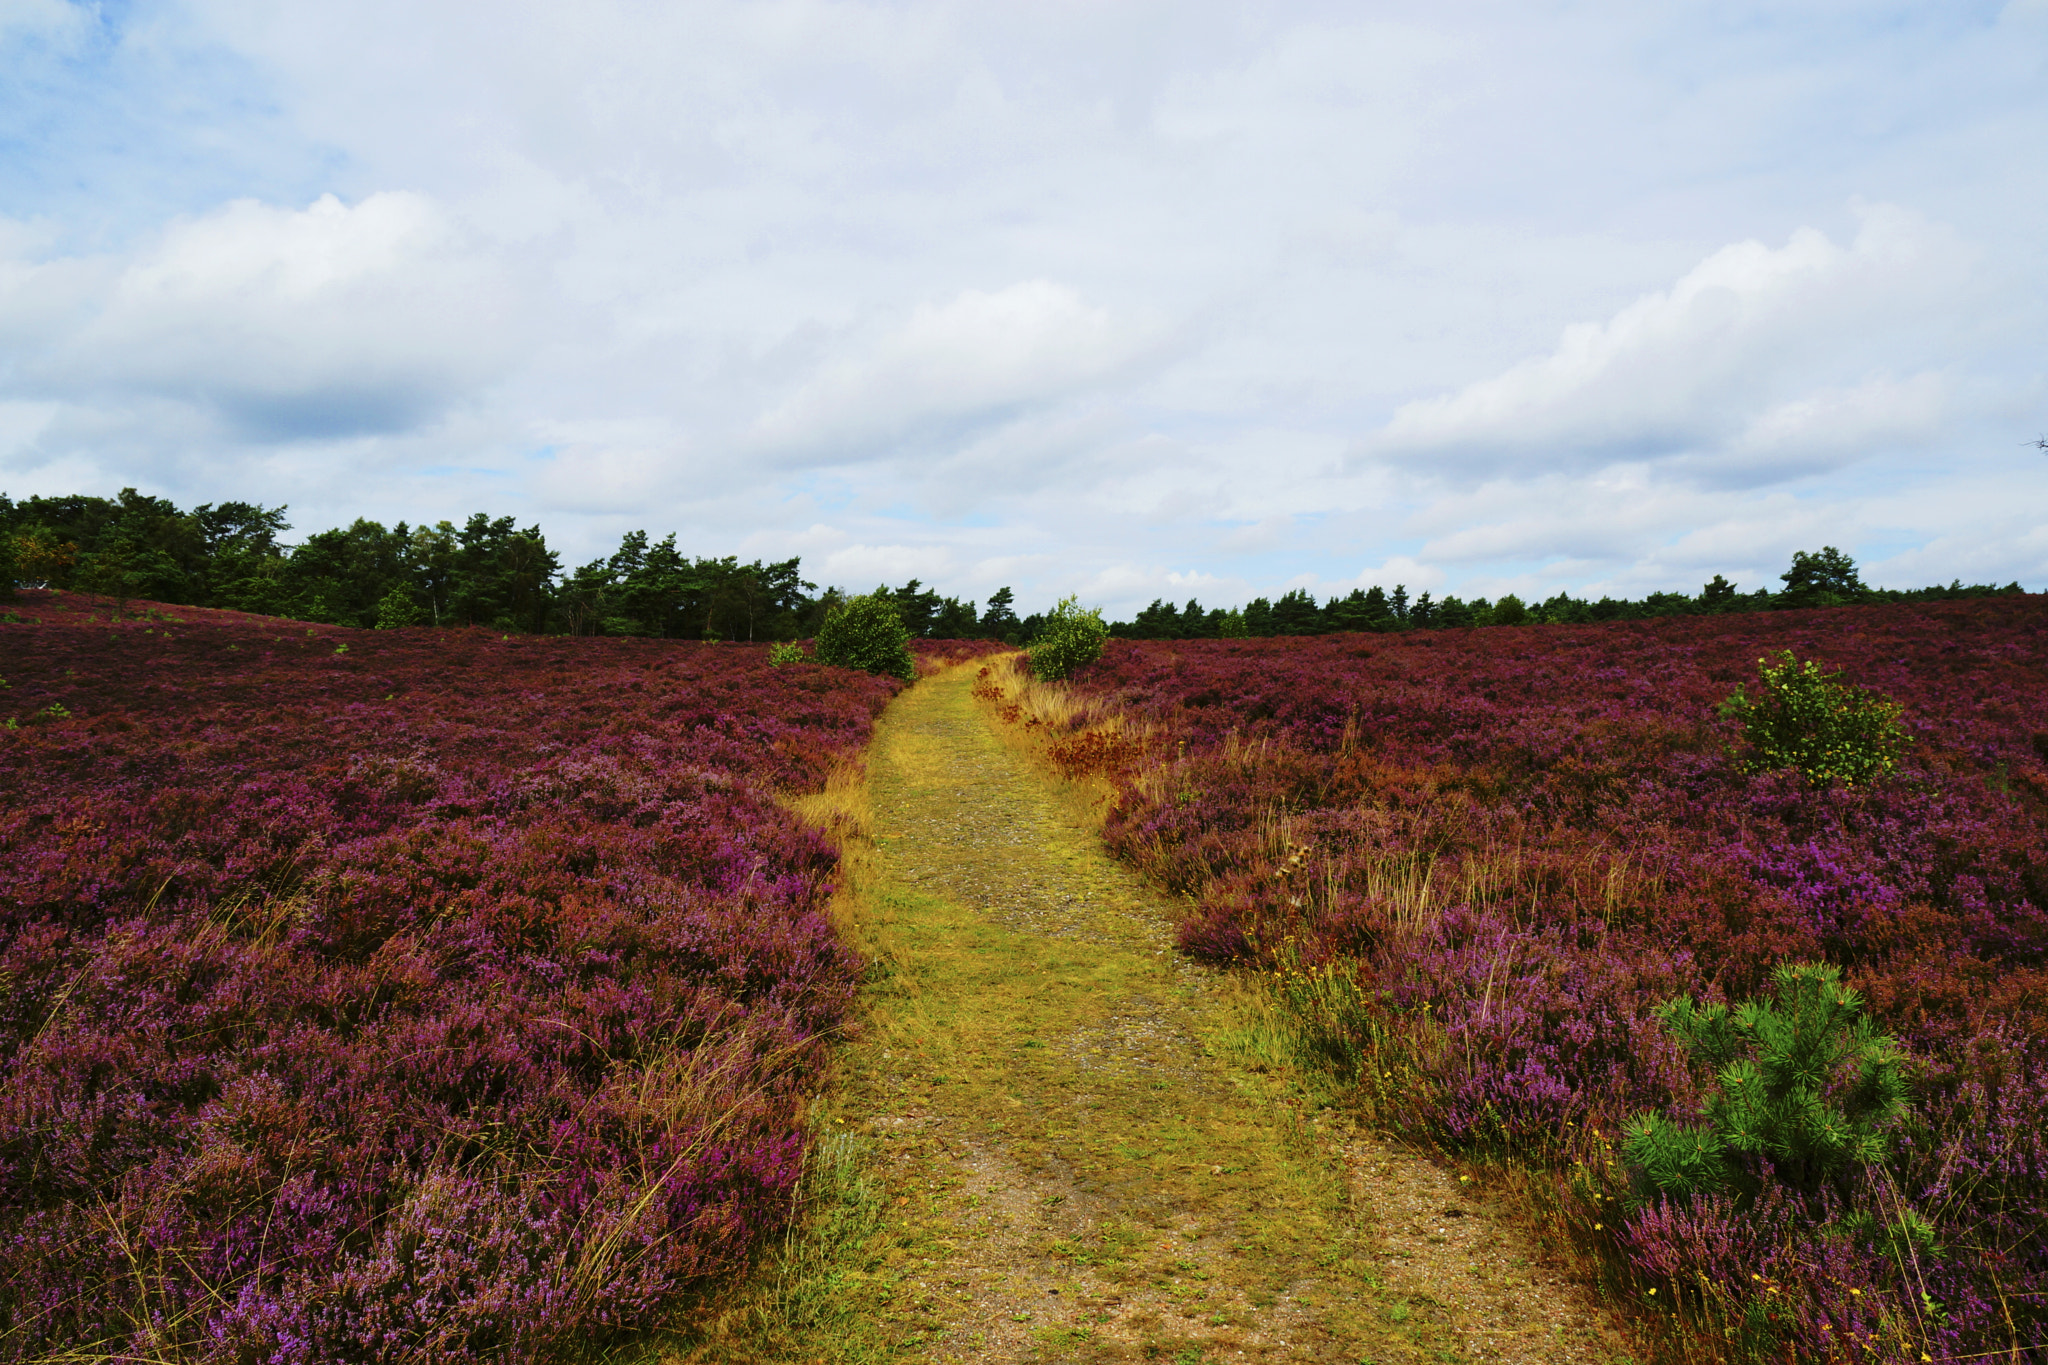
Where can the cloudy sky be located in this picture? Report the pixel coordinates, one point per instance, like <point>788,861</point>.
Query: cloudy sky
<point>1124,297</point>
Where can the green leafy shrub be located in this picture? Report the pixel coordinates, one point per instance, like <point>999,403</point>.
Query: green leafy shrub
<point>868,633</point>
<point>1806,718</point>
<point>1070,638</point>
<point>398,609</point>
<point>790,653</point>
<point>1806,1084</point>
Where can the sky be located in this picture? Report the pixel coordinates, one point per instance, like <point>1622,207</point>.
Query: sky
<point>1122,298</point>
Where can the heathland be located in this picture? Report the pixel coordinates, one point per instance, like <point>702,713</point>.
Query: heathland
<point>1484,867</point>
<point>398,995</point>
<point>443,994</point>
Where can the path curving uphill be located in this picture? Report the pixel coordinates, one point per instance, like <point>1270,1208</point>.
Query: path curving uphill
<point>1094,1148</point>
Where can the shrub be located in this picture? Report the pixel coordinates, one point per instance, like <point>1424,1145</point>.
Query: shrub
<point>790,653</point>
<point>1806,718</point>
<point>398,610</point>
<point>1071,638</point>
<point>868,633</point>
<point>1808,1087</point>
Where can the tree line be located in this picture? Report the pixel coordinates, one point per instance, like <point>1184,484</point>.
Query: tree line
<point>1823,578</point>
<point>492,573</point>
<point>486,572</point>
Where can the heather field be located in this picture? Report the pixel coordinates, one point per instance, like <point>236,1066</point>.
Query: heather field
<point>397,995</point>
<point>1477,860</point>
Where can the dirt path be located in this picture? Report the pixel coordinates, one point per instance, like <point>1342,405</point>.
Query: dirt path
<point>1093,1148</point>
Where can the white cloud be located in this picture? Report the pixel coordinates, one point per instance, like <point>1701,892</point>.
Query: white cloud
<point>1730,369</point>
<point>860,567</point>
<point>22,423</point>
<point>1395,572</point>
<point>1075,294</point>
<point>950,367</point>
<point>286,323</point>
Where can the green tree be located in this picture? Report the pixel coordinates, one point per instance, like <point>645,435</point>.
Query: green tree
<point>1160,621</point>
<point>919,607</point>
<point>430,562</point>
<point>1564,609</point>
<point>999,621</point>
<point>757,601</point>
<point>1258,618</point>
<point>655,590</point>
<point>868,633</point>
<point>397,609</point>
<point>1352,613</point>
<point>244,565</point>
<point>1071,638</point>
<point>584,597</point>
<point>342,576</point>
<point>1826,579</point>
<point>1296,613</point>
<point>1718,595</point>
<point>956,620</point>
<point>501,577</point>
<point>41,559</point>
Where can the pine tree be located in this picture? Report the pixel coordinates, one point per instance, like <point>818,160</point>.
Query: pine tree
<point>1805,1085</point>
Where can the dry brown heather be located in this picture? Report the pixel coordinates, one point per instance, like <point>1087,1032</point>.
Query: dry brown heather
<point>1054,1138</point>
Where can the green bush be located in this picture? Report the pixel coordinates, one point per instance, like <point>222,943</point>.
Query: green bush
<point>868,633</point>
<point>790,653</point>
<point>397,610</point>
<point>1069,639</point>
<point>1806,718</point>
<point>1806,1084</point>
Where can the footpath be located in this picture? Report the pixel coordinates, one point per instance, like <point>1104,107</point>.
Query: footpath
<point>1076,1144</point>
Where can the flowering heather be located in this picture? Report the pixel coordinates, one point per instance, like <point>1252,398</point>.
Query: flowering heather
<point>401,995</point>
<point>1489,854</point>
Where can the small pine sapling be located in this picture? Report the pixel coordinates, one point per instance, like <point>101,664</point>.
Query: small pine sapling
<point>1808,1088</point>
<point>1805,717</point>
